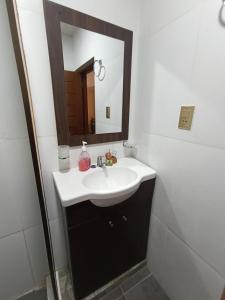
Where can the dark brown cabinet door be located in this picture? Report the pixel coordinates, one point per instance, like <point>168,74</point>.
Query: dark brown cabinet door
<point>106,242</point>
<point>135,218</point>
<point>93,255</point>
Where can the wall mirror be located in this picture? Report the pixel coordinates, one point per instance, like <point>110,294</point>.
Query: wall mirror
<point>91,70</point>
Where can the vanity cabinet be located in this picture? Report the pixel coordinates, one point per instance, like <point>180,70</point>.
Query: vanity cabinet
<point>105,242</point>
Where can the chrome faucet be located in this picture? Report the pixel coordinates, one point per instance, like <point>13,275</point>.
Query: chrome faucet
<point>100,162</point>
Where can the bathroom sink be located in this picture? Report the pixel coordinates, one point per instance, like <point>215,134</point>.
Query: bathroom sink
<point>109,179</point>
<point>102,186</point>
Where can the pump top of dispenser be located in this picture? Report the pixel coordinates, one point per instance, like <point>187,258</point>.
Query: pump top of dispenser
<point>84,148</point>
<point>84,159</point>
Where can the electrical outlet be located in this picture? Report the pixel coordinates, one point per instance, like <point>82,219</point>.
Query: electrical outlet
<point>107,112</point>
<point>186,117</point>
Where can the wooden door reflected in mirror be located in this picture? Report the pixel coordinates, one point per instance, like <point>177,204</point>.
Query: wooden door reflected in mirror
<point>80,99</point>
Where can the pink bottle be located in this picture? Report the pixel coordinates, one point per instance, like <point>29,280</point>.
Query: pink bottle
<point>84,159</point>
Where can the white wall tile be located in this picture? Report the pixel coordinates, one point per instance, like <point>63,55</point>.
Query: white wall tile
<point>19,200</point>
<point>37,253</point>
<point>37,60</point>
<point>48,151</point>
<point>189,194</point>
<point>12,117</point>
<point>19,183</point>
<point>208,77</point>
<point>15,275</point>
<point>157,14</point>
<point>182,273</point>
<point>58,241</point>
<point>9,215</point>
<point>166,68</point>
<point>34,5</point>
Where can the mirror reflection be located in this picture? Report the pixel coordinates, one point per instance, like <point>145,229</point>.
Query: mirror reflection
<point>93,81</point>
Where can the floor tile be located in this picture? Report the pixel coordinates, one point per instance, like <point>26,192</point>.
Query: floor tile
<point>115,294</point>
<point>149,289</point>
<point>41,295</point>
<point>135,279</point>
<point>38,295</point>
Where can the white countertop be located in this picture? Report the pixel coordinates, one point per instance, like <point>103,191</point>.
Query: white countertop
<point>71,189</point>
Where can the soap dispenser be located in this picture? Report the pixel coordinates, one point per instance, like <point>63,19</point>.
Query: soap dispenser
<point>84,159</point>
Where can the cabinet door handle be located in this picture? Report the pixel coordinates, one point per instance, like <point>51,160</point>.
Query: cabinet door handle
<point>125,218</point>
<point>111,224</point>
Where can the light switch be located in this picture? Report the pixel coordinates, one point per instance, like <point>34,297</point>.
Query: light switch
<point>186,117</point>
<point>107,112</point>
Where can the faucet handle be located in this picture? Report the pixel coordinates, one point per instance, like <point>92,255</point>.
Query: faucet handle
<point>100,162</point>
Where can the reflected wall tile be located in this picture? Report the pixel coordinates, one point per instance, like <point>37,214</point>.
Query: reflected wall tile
<point>16,277</point>
<point>37,60</point>
<point>37,253</point>
<point>58,241</point>
<point>12,117</point>
<point>18,189</point>
<point>48,150</point>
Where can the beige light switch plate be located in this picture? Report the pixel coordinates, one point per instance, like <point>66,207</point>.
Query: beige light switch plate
<point>186,117</point>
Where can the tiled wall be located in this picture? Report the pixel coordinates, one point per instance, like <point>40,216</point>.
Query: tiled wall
<point>181,53</point>
<point>35,44</point>
<point>23,263</point>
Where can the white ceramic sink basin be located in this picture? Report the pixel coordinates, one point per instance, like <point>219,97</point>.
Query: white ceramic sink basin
<point>102,186</point>
<point>108,179</point>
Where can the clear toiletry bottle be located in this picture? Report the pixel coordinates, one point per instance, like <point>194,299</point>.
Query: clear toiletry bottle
<point>84,159</point>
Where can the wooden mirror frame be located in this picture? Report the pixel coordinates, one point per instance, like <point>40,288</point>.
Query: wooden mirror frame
<point>54,14</point>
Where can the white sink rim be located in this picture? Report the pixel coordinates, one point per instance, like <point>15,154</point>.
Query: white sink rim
<point>111,190</point>
<point>71,189</point>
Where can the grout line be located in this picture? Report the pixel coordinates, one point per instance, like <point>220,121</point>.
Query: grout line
<point>123,294</point>
<point>120,290</point>
<point>47,136</point>
<point>181,140</point>
<point>172,21</point>
<point>142,280</point>
<point>23,229</point>
<point>125,297</point>
<point>29,259</point>
<point>13,233</point>
<point>2,139</point>
<point>32,226</point>
<point>196,47</point>
<point>188,246</point>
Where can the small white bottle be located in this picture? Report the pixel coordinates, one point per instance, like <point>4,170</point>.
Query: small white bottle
<point>64,157</point>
